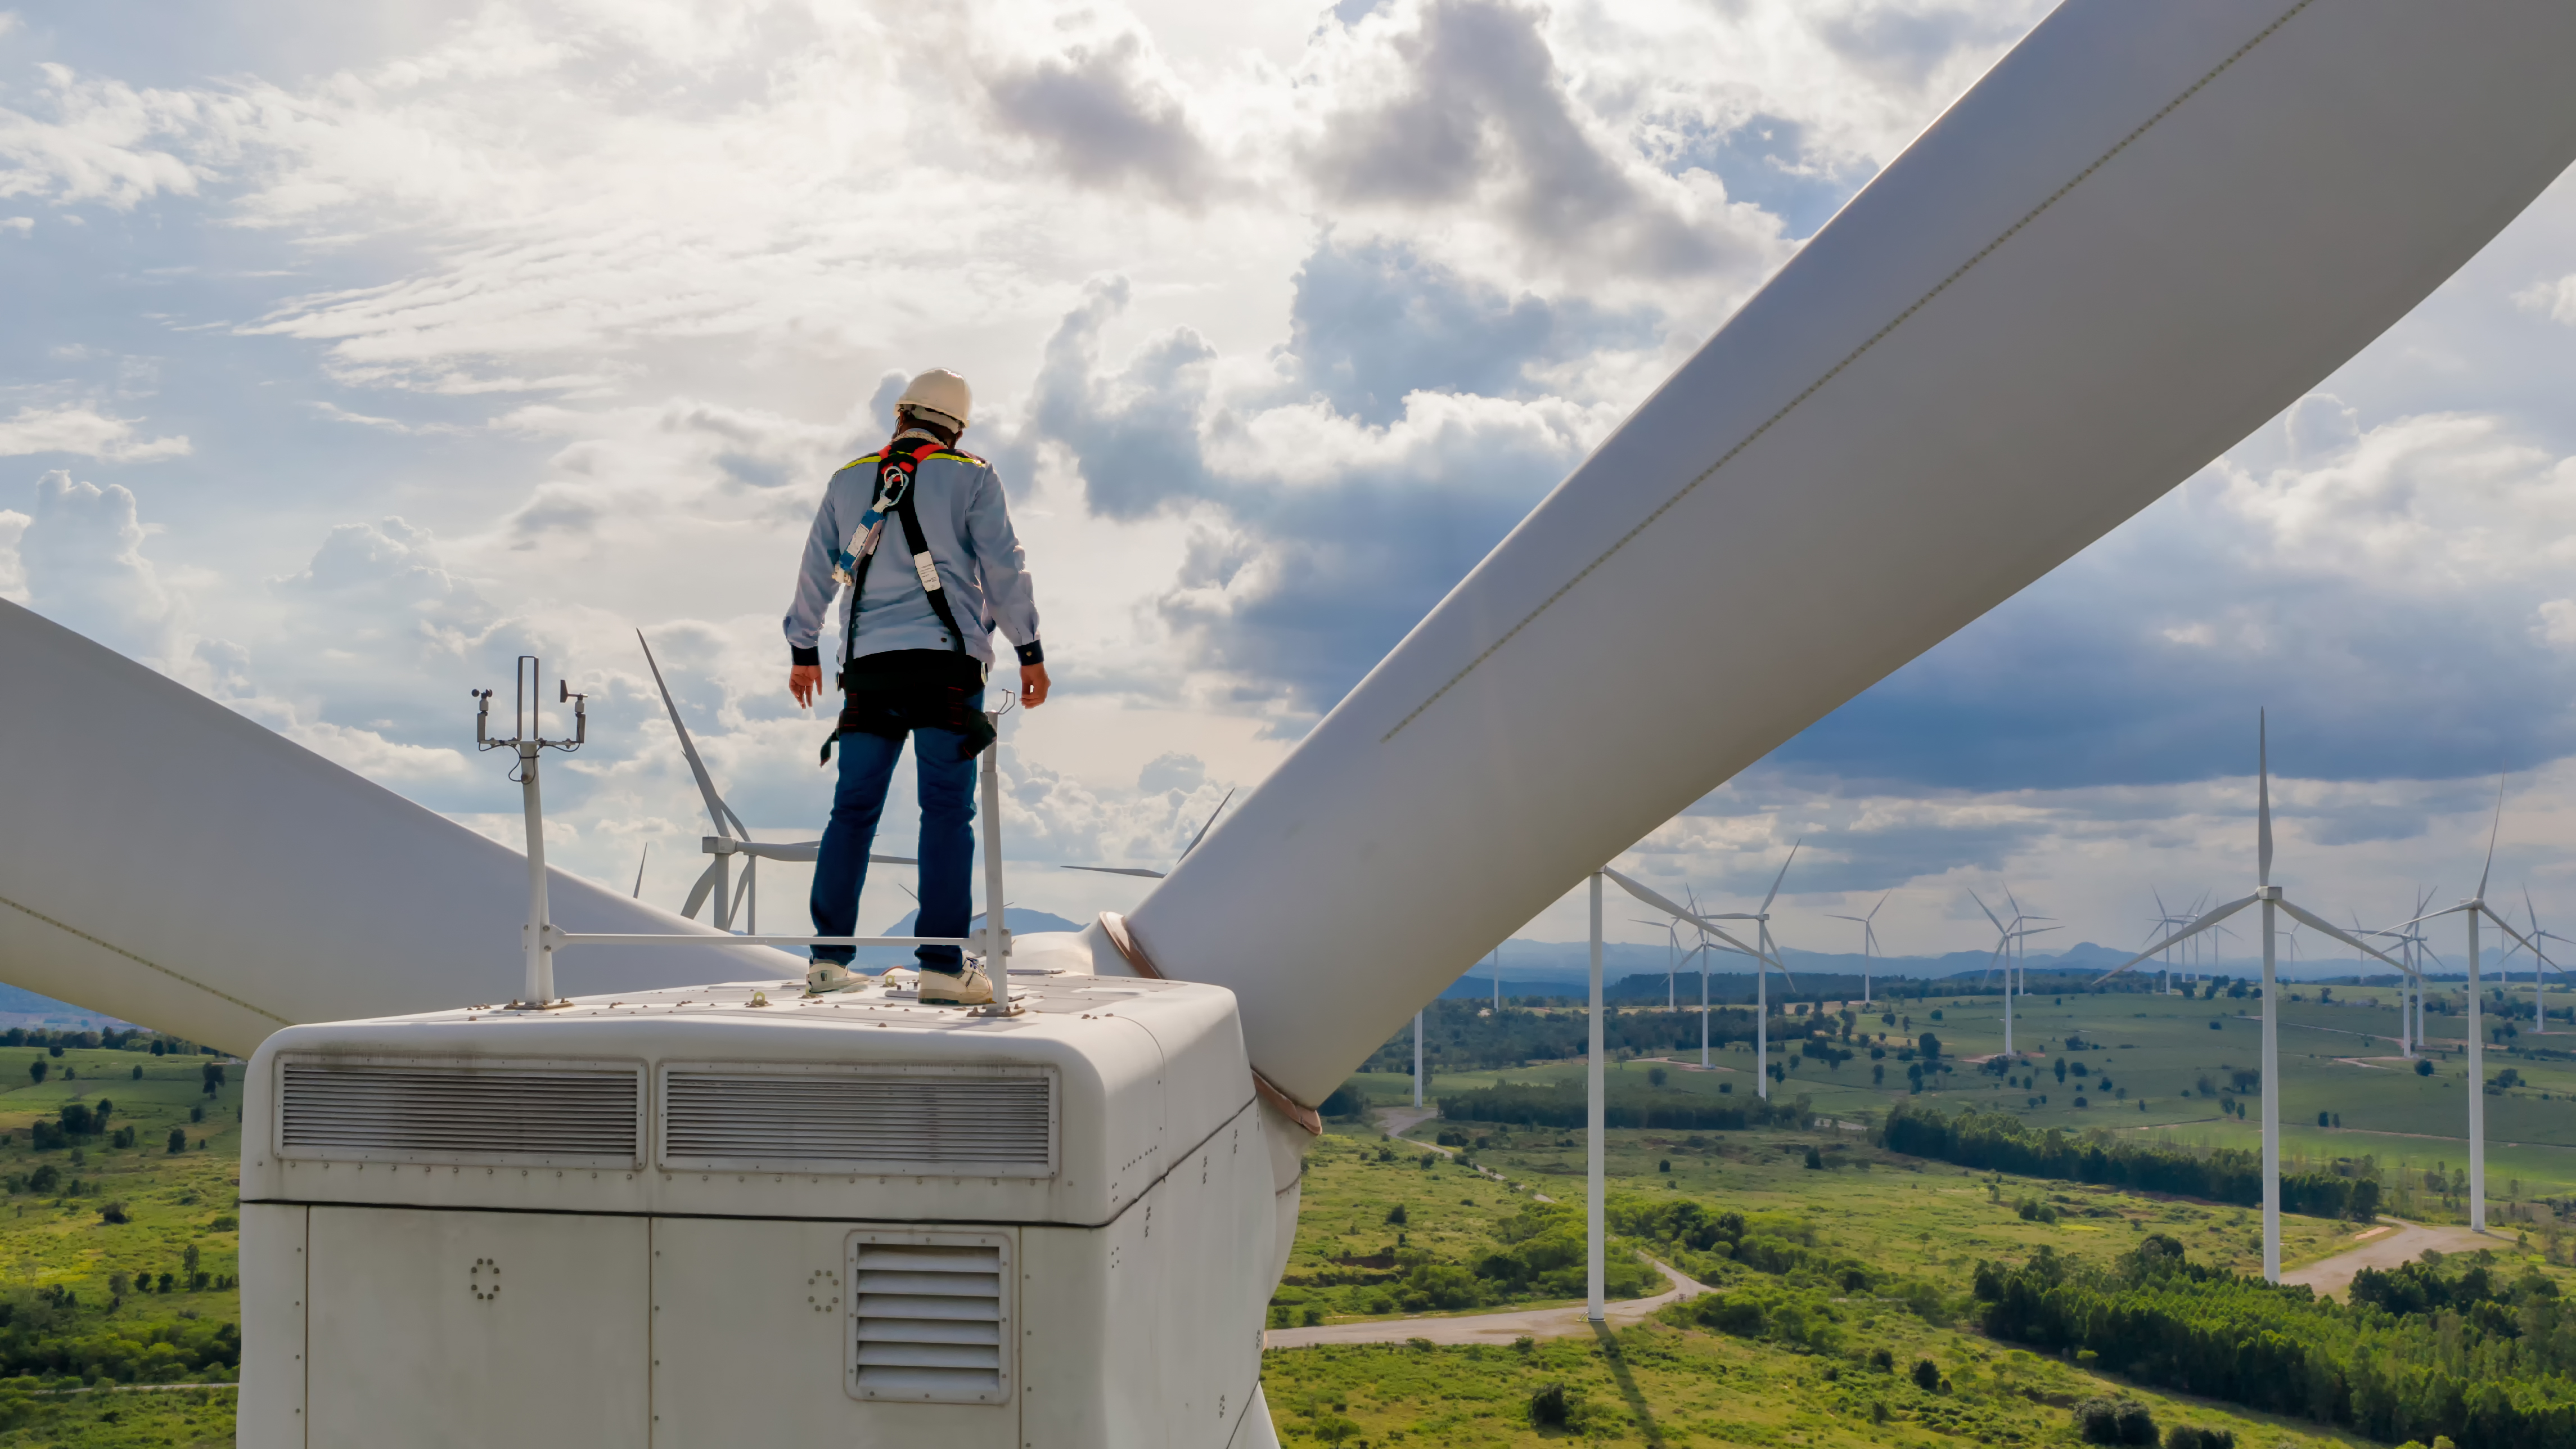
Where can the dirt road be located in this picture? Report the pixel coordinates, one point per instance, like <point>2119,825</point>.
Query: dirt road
<point>1487,1327</point>
<point>2403,1243</point>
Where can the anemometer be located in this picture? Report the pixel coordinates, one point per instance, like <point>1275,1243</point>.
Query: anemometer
<point>527,738</point>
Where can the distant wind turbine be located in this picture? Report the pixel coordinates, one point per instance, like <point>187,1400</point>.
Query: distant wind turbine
<point>2274,904</point>
<point>1868,942</point>
<point>639,869</point>
<point>1138,870</point>
<point>2539,983</point>
<point>2474,908</point>
<point>2007,940</point>
<point>732,837</point>
<point>1763,960</point>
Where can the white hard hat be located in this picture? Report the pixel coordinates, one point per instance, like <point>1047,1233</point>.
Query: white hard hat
<point>941,392</point>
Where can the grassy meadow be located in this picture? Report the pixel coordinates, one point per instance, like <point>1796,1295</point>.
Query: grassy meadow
<point>89,1225</point>
<point>2170,1076</point>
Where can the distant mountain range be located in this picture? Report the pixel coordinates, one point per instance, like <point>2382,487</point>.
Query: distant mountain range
<point>1630,971</point>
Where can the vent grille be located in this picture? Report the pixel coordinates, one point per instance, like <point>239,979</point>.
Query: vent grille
<point>974,1122</point>
<point>930,1318</point>
<point>421,1112</point>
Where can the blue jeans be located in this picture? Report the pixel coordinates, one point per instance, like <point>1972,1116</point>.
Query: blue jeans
<point>946,785</point>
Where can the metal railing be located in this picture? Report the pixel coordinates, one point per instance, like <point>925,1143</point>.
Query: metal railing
<point>544,938</point>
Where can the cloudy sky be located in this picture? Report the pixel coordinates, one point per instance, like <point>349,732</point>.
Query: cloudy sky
<point>354,350</point>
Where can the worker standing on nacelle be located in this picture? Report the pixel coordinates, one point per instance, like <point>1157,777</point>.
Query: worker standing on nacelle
<point>915,647</point>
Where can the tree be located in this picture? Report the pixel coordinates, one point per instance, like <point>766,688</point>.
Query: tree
<point>2061,1071</point>
<point>36,1071</point>
<point>1927,1375</point>
<point>138,1071</point>
<point>2423,1065</point>
<point>214,1075</point>
<point>178,1140</point>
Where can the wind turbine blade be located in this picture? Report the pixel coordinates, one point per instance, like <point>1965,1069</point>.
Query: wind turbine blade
<point>1135,870</point>
<point>1204,829</point>
<point>1660,902</point>
<point>788,850</point>
<point>639,869</point>
<point>2205,923</point>
<point>741,890</point>
<point>892,860</point>
<point>706,885</point>
<point>1783,875</point>
<point>1981,905</point>
<point>2501,923</point>
<point>1648,894</point>
<point>717,810</point>
<point>2355,942</point>
<point>2432,916</point>
<point>1882,900</point>
<point>2262,801</point>
<point>2492,831</point>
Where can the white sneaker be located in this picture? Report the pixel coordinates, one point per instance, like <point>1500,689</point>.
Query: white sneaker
<point>824,977</point>
<point>966,987</point>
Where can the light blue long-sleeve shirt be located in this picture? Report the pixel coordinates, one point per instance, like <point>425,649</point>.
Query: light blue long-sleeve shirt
<point>967,524</point>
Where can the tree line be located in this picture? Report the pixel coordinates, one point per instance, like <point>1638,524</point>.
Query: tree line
<point>1995,1141</point>
<point>2425,1350</point>
<point>1565,1104</point>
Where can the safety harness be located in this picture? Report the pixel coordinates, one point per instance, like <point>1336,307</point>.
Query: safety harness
<point>873,711</point>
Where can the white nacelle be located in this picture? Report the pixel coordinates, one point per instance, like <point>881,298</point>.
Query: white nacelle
<point>687,1217</point>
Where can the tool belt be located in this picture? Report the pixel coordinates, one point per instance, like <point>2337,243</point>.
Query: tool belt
<point>915,689</point>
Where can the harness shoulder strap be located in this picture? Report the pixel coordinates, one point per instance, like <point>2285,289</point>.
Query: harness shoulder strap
<point>926,569</point>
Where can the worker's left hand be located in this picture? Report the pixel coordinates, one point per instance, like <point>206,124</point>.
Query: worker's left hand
<point>805,681</point>
<point>1033,685</point>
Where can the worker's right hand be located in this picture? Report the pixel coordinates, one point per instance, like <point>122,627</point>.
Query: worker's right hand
<point>805,681</point>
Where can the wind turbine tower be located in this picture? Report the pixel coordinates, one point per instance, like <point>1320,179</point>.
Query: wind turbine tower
<point>2475,908</point>
<point>1868,942</point>
<point>2274,904</point>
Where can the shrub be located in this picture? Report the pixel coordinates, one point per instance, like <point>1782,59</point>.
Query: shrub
<point>1547,1407</point>
<point>1396,1215</point>
<point>1927,1375</point>
<point>178,1140</point>
<point>2423,1067</point>
<point>45,1178</point>
<point>2115,1421</point>
<point>113,1213</point>
<point>2186,1436</point>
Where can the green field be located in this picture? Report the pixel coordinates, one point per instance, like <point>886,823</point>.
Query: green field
<point>2171,1077</point>
<point>84,1296</point>
<point>1668,1385</point>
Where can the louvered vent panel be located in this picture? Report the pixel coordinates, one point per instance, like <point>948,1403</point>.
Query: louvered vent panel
<point>422,1113</point>
<point>930,1322</point>
<point>978,1124</point>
